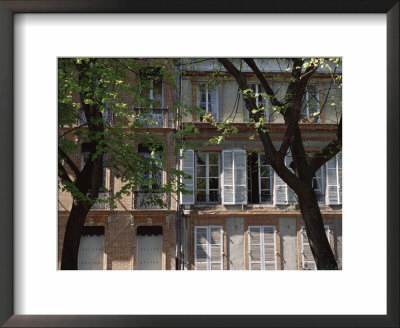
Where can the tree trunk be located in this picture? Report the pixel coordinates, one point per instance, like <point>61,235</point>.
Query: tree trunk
<point>72,236</point>
<point>319,244</point>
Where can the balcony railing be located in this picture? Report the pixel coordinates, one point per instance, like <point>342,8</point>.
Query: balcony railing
<point>153,117</point>
<point>145,200</point>
<point>101,205</point>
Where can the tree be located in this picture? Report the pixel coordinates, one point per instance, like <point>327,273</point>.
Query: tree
<point>304,165</point>
<point>100,94</point>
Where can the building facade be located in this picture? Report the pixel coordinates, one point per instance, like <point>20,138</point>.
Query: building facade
<point>240,215</point>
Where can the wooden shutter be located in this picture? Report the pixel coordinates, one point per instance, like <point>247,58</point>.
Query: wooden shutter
<point>215,248</point>
<point>187,166</point>
<point>200,251</point>
<point>283,194</point>
<point>240,177</point>
<point>269,240</point>
<point>308,262</point>
<point>334,180</point>
<point>255,248</point>
<point>227,175</point>
<point>234,177</point>
<point>208,248</point>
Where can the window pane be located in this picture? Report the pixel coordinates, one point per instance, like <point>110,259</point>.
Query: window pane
<point>201,197</point>
<point>200,183</point>
<point>214,183</point>
<point>214,196</point>
<point>266,196</point>
<point>213,158</point>
<point>265,183</point>
<point>213,171</point>
<point>201,158</point>
<point>201,171</point>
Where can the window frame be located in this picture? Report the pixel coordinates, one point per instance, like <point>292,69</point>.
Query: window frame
<point>266,103</point>
<point>262,247</point>
<point>307,98</point>
<point>199,92</point>
<point>271,181</point>
<point>207,177</point>
<point>208,246</point>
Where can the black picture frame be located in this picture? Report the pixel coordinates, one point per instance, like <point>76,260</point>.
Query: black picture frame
<point>7,11</point>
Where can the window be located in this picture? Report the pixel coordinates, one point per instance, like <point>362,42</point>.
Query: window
<point>86,150</point>
<point>310,109</point>
<point>307,259</point>
<point>150,88</point>
<point>207,99</point>
<point>262,248</point>
<point>284,195</point>
<point>207,177</point>
<point>318,185</point>
<point>208,248</point>
<point>234,177</point>
<point>334,180</point>
<point>260,100</point>
<point>259,179</point>
<point>152,177</point>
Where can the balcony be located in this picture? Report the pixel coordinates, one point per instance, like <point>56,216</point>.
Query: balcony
<point>145,200</point>
<point>153,117</point>
<point>101,205</point>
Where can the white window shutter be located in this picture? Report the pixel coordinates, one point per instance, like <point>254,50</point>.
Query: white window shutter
<point>269,248</point>
<point>201,245</point>
<point>255,248</point>
<point>240,177</point>
<point>215,253</point>
<point>334,180</point>
<point>187,166</point>
<point>227,174</point>
<point>280,194</point>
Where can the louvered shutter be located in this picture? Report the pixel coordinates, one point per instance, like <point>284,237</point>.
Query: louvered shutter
<point>240,177</point>
<point>201,245</point>
<point>283,194</point>
<point>280,193</point>
<point>269,248</point>
<point>308,262</point>
<point>227,173</point>
<point>215,242</point>
<point>334,180</point>
<point>187,166</point>
<point>255,248</point>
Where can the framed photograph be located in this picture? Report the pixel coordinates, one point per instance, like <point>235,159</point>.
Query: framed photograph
<point>38,41</point>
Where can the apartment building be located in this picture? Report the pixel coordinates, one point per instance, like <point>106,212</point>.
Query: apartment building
<point>240,214</point>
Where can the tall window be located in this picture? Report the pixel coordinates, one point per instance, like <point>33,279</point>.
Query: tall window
<point>334,180</point>
<point>319,186</point>
<point>208,248</point>
<point>260,179</point>
<point>207,177</point>
<point>152,178</point>
<point>310,109</point>
<point>150,88</point>
<point>262,248</point>
<point>261,102</point>
<point>207,99</point>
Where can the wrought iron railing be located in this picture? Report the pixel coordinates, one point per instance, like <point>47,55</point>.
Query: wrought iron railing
<point>101,205</point>
<point>153,117</point>
<point>147,200</point>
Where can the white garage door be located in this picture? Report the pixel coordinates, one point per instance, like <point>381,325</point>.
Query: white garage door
<point>91,252</point>
<point>149,252</point>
